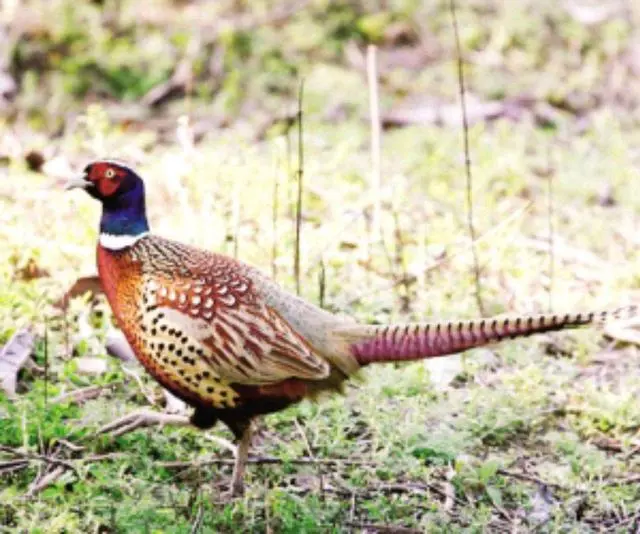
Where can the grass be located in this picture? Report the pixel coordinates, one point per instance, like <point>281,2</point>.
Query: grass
<point>451,445</point>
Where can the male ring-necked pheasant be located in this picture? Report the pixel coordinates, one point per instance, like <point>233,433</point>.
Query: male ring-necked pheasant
<point>227,340</point>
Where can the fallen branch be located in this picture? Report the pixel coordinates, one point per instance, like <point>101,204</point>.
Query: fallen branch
<point>13,465</point>
<point>264,460</point>
<point>530,478</point>
<point>381,528</point>
<point>79,396</point>
<point>39,457</point>
<point>43,482</point>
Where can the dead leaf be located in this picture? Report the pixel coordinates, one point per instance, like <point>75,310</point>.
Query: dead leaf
<point>542,506</point>
<point>85,284</point>
<point>118,346</point>
<point>29,271</point>
<point>91,365</point>
<point>591,14</point>
<point>608,444</point>
<point>173,403</point>
<point>13,357</point>
<point>35,160</point>
<point>431,110</point>
<point>8,88</point>
<point>625,331</point>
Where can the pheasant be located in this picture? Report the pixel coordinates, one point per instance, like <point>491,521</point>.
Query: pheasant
<point>231,343</point>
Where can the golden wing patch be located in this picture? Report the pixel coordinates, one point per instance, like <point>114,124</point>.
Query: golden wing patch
<point>239,337</point>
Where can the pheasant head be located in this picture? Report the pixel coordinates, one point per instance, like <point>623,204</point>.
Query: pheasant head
<point>121,192</point>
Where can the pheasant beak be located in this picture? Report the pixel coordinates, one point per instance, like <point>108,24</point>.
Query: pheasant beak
<point>77,182</point>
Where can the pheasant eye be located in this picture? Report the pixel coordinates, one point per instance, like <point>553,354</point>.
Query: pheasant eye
<point>109,173</point>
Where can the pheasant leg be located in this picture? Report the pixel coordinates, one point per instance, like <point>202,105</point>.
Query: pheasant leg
<point>242,454</point>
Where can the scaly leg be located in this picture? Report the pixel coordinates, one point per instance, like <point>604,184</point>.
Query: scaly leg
<point>243,434</point>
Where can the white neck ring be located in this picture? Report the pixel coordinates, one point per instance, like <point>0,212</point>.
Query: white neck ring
<point>118,242</point>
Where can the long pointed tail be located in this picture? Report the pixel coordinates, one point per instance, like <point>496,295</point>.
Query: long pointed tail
<point>404,342</point>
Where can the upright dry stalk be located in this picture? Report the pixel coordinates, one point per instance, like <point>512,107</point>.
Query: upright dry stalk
<point>274,222</point>
<point>376,135</point>
<point>550,210</point>
<point>236,209</point>
<point>299,175</point>
<point>467,161</point>
<point>322,284</point>
<point>46,362</point>
<point>402,280</point>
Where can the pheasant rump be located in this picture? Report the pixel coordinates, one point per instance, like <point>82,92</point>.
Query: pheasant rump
<point>227,340</point>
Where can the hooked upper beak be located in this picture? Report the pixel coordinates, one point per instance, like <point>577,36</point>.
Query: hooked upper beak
<point>77,182</point>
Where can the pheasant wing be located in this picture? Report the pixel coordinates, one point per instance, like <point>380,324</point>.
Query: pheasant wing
<point>223,321</point>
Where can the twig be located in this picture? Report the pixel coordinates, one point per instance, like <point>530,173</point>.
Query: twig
<point>39,457</point>
<point>309,451</point>
<point>633,517</point>
<point>265,460</point>
<point>376,135</point>
<point>13,465</point>
<point>197,522</point>
<point>10,465</point>
<point>530,478</point>
<point>224,443</point>
<point>631,453</point>
<point>389,489</point>
<point>44,482</point>
<point>102,457</point>
<point>381,528</point>
<point>449,490</point>
<point>147,394</point>
<point>71,446</point>
<point>299,175</point>
<point>352,509</point>
<point>414,487</point>
<point>304,438</point>
<point>140,419</point>
<point>78,396</point>
<point>467,161</point>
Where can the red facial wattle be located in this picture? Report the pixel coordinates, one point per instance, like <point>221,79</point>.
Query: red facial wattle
<point>106,178</point>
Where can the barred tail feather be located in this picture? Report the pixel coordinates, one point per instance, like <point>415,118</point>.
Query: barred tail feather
<point>406,342</point>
